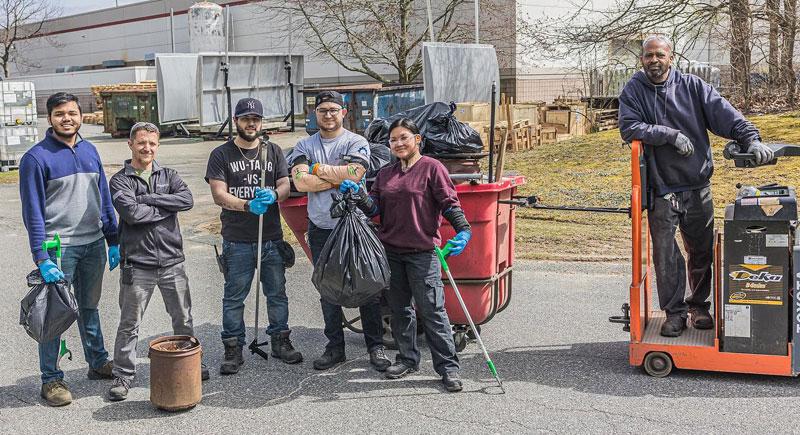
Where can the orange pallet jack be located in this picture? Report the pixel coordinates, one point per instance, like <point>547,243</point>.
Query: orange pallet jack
<point>695,349</point>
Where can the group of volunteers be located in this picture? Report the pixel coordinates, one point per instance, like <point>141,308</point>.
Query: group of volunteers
<point>64,191</point>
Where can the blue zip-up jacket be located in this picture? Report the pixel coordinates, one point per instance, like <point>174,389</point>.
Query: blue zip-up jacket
<point>64,190</point>
<point>684,103</point>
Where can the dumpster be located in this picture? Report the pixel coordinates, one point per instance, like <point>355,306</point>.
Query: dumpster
<point>124,108</point>
<point>483,272</point>
<point>366,103</point>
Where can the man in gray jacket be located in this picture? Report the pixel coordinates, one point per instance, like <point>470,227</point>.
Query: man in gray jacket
<point>148,198</point>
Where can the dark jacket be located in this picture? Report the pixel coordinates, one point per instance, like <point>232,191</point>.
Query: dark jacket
<point>149,232</point>
<point>684,103</point>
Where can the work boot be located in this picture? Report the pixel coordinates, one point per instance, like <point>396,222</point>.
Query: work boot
<point>119,389</point>
<point>282,348</point>
<point>104,372</point>
<point>452,382</point>
<point>204,375</point>
<point>701,318</point>
<point>56,393</point>
<point>329,359</point>
<point>233,356</point>
<point>398,370</point>
<point>673,326</point>
<point>378,359</point>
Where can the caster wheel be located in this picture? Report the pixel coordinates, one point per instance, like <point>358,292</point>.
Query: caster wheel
<point>471,333</point>
<point>657,364</point>
<point>460,339</point>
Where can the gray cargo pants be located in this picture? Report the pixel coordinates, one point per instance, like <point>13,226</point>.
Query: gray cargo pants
<point>693,212</point>
<point>136,288</point>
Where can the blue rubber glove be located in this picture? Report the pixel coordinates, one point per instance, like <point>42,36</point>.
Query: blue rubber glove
<point>113,257</point>
<point>267,195</point>
<point>258,206</point>
<point>350,185</point>
<point>50,272</point>
<point>312,168</point>
<point>459,242</point>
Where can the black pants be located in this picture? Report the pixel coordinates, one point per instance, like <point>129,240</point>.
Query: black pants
<point>693,212</point>
<point>371,319</point>
<point>419,275</point>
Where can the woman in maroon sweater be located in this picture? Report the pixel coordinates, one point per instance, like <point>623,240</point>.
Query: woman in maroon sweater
<point>410,196</point>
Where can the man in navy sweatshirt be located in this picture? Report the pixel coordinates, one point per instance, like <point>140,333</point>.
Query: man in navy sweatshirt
<point>670,113</point>
<point>63,190</point>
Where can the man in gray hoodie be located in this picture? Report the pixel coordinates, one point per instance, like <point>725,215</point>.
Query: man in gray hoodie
<point>671,114</point>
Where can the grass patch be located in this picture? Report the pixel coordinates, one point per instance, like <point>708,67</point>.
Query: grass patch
<point>9,177</point>
<point>594,170</point>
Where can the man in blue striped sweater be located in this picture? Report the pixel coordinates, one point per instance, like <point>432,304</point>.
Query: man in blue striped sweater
<point>63,190</point>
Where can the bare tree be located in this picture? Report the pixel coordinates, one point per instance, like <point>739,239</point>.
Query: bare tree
<point>21,20</point>
<point>773,11</point>
<point>375,36</point>
<point>789,31</point>
<point>741,29</point>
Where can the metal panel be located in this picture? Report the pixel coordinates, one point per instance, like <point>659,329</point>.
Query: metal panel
<point>256,75</point>
<point>177,88</point>
<point>459,72</point>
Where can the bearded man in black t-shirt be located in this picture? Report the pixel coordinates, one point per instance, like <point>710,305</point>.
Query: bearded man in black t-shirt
<point>234,174</point>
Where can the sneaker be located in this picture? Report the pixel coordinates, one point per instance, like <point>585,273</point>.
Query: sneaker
<point>701,318</point>
<point>103,372</point>
<point>329,359</point>
<point>673,326</point>
<point>452,381</point>
<point>398,370</point>
<point>56,393</point>
<point>204,375</point>
<point>379,360</point>
<point>119,389</point>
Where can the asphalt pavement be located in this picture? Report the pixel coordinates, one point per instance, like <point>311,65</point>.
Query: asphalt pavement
<point>565,367</point>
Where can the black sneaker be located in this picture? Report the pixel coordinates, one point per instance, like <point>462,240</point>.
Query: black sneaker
<point>673,326</point>
<point>379,360</point>
<point>329,359</point>
<point>701,318</point>
<point>119,390</point>
<point>398,370</point>
<point>204,375</point>
<point>452,381</point>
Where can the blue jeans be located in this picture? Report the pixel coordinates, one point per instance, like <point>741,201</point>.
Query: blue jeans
<point>419,276</point>
<point>240,266</point>
<point>371,320</point>
<point>83,267</point>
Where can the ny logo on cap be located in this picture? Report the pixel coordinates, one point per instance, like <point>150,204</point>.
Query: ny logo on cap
<point>251,104</point>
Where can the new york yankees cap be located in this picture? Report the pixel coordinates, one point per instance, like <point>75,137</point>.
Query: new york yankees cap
<point>249,107</point>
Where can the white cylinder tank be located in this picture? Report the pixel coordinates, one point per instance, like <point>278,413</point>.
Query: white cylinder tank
<point>206,28</point>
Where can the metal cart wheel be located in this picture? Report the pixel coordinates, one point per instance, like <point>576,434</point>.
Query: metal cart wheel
<point>657,364</point>
<point>351,319</point>
<point>460,337</point>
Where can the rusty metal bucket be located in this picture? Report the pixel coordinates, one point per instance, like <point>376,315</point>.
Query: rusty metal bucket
<point>175,374</point>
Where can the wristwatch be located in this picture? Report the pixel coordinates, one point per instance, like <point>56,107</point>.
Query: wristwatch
<point>247,206</point>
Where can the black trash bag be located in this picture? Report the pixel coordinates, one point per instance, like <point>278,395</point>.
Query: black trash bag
<point>447,135</point>
<point>352,268</point>
<point>441,132</point>
<point>378,130</point>
<point>48,309</point>
<point>379,156</point>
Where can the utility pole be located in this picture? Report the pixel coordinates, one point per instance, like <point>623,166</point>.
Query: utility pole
<point>477,21</point>
<point>430,21</point>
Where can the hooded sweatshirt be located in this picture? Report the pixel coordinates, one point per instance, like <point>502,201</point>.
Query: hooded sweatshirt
<point>684,103</point>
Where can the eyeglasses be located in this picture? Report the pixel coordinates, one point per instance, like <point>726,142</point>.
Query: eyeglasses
<point>402,139</point>
<point>328,112</point>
